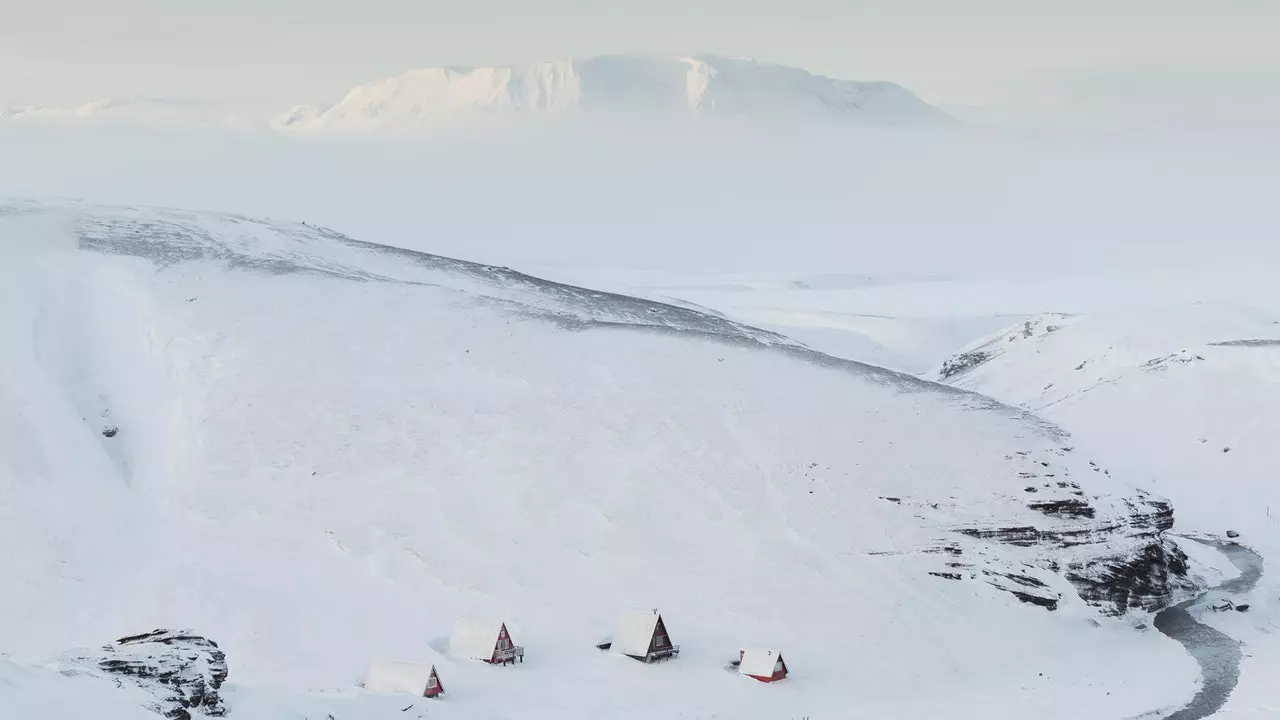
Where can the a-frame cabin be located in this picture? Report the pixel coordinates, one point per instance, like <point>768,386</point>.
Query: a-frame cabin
<point>643,636</point>
<point>402,677</point>
<point>763,664</point>
<point>486,640</point>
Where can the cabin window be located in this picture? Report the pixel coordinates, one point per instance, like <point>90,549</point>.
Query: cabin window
<point>431,682</point>
<point>660,641</point>
<point>777,667</point>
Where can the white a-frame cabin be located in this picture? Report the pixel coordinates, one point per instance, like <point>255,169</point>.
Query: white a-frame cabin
<point>486,640</point>
<point>643,636</point>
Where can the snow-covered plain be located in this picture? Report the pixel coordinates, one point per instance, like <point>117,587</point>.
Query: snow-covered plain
<point>328,450</point>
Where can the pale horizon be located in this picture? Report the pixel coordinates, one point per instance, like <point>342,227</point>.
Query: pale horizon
<point>1187,62</point>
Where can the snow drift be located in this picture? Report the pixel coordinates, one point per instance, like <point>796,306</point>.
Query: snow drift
<point>327,449</point>
<point>638,87</point>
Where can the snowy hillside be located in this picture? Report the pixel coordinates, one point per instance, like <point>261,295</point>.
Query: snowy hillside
<point>1181,399</point>
<point>637,87</point>
<point>1180,395</point>
<point>320,452</point>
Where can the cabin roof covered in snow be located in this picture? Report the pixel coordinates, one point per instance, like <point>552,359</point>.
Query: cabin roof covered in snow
<point>399,677</point>
<point>759,661</point>
<point>634,633</point>
<point>475,637</point>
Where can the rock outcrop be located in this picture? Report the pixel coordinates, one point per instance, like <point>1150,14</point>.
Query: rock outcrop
<point>181,670</point>
<point>1147,580</point>
<point>1123,559</point>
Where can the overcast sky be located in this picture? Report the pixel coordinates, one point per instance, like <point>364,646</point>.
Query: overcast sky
<point>1212,58</point>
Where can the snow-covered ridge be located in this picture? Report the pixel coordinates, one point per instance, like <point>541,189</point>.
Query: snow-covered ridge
<point>982,351</point>
<point>146,112</point>
<point>637,87</point>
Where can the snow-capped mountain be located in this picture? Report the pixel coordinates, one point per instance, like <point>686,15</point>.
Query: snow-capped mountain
<point>636,88</point>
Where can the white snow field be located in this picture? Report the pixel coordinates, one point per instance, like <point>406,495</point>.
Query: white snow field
<point>328,450</point>
<point>39,693</point>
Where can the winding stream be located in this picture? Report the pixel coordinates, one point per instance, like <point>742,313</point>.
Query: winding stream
<point>1218,654</point>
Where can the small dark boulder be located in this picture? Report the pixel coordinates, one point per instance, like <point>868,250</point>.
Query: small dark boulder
<point>110,431</point>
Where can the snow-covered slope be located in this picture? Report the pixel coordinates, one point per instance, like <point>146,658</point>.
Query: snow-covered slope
<point>1181,395</point>
<point>320,452</point>
<point>27,692</point>
<point>639,88</point>
<point>1183,400</point>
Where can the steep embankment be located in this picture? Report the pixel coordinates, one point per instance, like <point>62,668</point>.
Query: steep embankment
<point>326,450</point>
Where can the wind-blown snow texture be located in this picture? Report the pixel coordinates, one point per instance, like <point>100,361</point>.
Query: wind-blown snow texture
<point>613,85</point>
<point>327,450</point>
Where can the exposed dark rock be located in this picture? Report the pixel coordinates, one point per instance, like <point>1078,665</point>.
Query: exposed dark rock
<point>1142,571</point>
<point>1146,580</point>
<point>183,671</point>
<point>110,431</point>
<point>1070,507</point>
<point>1026,588</point>
<point>1156,516</point>
<point>962,363</point>
<point>946,575</point>
<point>1260,342</point>
<point>1233,534</point>
<point>1028,536</point>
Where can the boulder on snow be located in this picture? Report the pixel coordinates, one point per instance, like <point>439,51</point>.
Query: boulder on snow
<point>1233,534</point>
<point>181,670</point>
